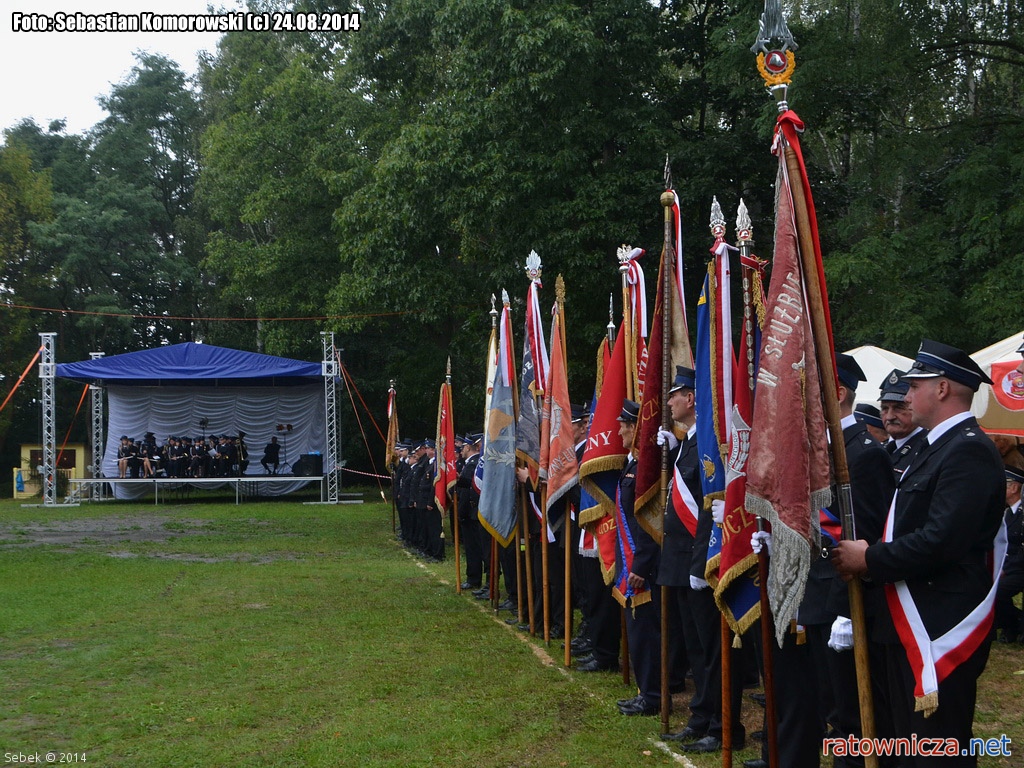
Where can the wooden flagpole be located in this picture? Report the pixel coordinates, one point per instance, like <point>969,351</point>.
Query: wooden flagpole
<point>455,496</point>
<point>745,241</point>
<point>566,527</point>
<point>667,374</point>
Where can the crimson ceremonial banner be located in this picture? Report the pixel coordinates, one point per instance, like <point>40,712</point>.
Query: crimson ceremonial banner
<point>391,455</point>
<point>788,467</point>
<point>736,590</point>
<point>669,318</point>
<point>604,452</point>
<point>600,535</point>
<point>557,449</point>
<point>446,475</point>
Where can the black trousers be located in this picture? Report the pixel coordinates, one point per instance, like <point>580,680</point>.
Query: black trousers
<point>643,628</point>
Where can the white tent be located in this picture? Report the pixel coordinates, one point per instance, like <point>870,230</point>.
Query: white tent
<point>876,364</point>
<point>1000,408</point>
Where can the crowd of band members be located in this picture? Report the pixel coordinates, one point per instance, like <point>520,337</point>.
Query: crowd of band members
<point>183,457</point>
<point>882,444</point>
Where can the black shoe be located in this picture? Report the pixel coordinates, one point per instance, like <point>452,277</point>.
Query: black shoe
<point>593,665</point>
<point>482,594</point>
<point>506,605</point>
<point>643,709</point>
<point>469,585</point>
<point>556,633</point>
<point>684,736</point>
<point>757,698</point>
<point>638,699</point>
<point>513,622</point>
<point>755,763</point>
<point>757,735</point>
<point>701,746</point>
<point>580,642</point>
<point>582,650</point>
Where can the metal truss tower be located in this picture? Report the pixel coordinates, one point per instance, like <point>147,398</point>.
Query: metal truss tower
<point>329,370</point>
<point>97,490</point>
<point>47,370</point>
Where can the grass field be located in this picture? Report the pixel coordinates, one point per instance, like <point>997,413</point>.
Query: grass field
<point>283,634</point>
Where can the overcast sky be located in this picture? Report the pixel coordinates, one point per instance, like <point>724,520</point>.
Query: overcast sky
<point>53,75</point>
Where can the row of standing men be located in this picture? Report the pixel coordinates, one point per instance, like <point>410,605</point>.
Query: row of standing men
<point>942,499</point>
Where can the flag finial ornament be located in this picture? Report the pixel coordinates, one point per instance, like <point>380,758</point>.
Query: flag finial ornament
<point>504,297</point>
<point>624,255</point>
<point>668,173</point>
<point>744,227</point>
<point>611,315</point>
<point>533,267</point>
<point>717,221</point>
<point>775,65</point>
<point>493,312</point>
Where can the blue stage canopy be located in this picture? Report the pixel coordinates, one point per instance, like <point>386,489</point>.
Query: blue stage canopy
<point>192,364</point>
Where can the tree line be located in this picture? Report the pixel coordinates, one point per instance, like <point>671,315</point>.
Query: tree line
<point>385,182</point>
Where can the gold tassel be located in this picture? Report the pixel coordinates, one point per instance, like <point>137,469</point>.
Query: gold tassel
<point>927,703</point>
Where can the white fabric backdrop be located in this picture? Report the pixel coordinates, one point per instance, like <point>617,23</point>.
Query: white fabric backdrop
<point>165,411</point>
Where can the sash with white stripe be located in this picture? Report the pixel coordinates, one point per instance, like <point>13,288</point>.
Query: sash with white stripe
<point>683,502</point>
<point>931,661</point>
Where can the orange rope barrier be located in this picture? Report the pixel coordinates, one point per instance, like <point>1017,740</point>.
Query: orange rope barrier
<point>67,434</point>
<point>21,379</point>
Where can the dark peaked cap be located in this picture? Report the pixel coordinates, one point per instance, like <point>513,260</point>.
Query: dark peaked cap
<point>893,387</point>
<point>936,359</point>
<point>686,378</point>
<point>630,411</point>
<point>849,371</point>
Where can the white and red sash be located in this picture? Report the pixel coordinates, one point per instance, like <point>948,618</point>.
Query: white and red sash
<point>683,502</point>
<point>931,661</point>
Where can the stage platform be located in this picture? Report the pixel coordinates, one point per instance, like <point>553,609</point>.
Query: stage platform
<point>246,486</point>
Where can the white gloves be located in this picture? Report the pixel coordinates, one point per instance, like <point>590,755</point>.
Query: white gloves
<point>667,436</point>
<point>757,538</point>
<point>841,638</point>
<point>697,583</point>
<point>717,510</point>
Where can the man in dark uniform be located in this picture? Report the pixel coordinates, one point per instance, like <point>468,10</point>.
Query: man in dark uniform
<point>695,607</point>
<point>905,437</point>
<point>469,507</point>
<point>872,485</point>
<point>1011,583</point>
<point>271,456</point>
<point>404,491</point>
<point>871,418</point>
<point>935,557</point>
<point>601,632</point>
<point>433,543</point>
<point>643,621</point>
<point>421,494</point>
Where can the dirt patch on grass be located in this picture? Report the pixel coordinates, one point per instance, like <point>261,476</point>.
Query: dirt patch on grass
<point>89,532</point>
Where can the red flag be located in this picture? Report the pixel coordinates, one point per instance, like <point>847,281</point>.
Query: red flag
<point>649,506</point>
<point>788,467</point>
<point>736,590</point>
<point>604,451</point>
<point>557,448</point>
<point>446,475</point>
<point>391,456</point>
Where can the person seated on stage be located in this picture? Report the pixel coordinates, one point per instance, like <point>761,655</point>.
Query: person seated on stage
<point>199,458</point>
<point>135,460</point>
<point>184,458</point>
<point>243,453</point>
<point>271,455</point>
<point>124,454</point>
<point>227,457</point>
<point>150,454</point>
